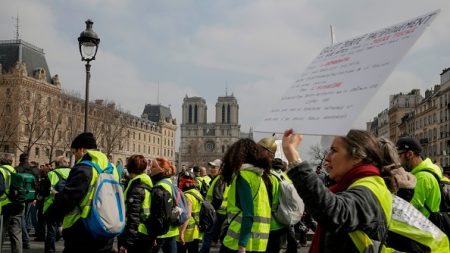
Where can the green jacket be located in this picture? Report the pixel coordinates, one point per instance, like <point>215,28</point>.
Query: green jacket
<point>427,188</point>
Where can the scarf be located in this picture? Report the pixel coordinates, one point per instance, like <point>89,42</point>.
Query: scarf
<point>356,173</point>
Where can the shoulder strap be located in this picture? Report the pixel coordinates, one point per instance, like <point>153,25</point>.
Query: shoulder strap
<point>175,198</point>
<point>108,169</point>
<point>432,173</point>
<point>146,187</point>
<point>195,196</point>
<point>58,174</point>
<point>438,181</point>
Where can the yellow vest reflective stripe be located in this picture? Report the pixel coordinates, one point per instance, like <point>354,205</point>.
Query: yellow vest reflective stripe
<point>145,204</point>
<point>192,232</point>
<point>173,230</point>
<point>6,171</point>
<point>82,211</point>
<point>377,186</point>
<point>261,223</point>
<point>54,180</point>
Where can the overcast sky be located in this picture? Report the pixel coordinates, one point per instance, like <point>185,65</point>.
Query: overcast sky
<point>252,49</point>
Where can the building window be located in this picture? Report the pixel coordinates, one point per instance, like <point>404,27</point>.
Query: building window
<point>228,114</point>
<point>195,114</point>
<point>36,152</point>
<point>223,113</point>
<point>190,113</point>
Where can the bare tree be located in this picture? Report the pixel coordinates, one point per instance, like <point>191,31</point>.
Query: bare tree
<point>33,119</point>
<point>113,128</point>
<point>318,153</point>
<point>8,124</point>
<point>54,133</point>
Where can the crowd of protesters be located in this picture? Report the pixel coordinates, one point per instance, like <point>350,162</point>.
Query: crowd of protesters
<point>348,199</point>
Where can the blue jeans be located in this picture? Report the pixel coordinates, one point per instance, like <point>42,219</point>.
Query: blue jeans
<point>168,245</point>
<point>213,234</point>
<point>50,239</point>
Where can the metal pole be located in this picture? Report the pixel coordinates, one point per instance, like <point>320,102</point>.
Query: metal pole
<point>86,103</point>
<point>1,233</point>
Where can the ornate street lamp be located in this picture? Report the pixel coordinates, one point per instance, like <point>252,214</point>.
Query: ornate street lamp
<point>88,44</point>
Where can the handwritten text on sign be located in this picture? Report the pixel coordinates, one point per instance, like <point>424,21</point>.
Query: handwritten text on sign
<point>337,85</point>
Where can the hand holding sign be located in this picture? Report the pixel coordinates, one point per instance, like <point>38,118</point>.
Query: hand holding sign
<point>290,143</point>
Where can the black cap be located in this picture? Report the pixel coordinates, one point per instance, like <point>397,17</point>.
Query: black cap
<point>409,143</point>
<point>84,140</point>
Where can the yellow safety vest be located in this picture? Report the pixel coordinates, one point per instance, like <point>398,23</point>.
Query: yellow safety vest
<point>173,230</point>
<point>434,239</point>
<point>145,204</point>
<point>262,214</point>
<point>82,211</point>
<point>209,197</point>
<point>377,186</point>
<point>192,232</point>
<point>54,179</point>
<point>6,171</point>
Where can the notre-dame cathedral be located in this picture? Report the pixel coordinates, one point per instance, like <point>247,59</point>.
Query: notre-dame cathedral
<point>202,142</point>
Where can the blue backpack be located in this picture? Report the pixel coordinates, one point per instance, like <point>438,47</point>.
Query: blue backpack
<point>180,208</point>
<point>107,215</point>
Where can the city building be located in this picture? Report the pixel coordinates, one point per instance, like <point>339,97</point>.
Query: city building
<point>201,141</point>
<point>425,118</point>
<point>39,118</point>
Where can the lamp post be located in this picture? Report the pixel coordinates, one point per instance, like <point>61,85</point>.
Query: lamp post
<point>88,45</point>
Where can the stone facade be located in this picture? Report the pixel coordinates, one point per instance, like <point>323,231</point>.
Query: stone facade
<point>202,142</point>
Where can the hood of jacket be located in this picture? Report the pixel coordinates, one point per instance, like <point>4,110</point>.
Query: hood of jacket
<point>428,165</point>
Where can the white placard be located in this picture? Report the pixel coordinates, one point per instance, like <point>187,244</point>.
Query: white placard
<point>338,84</point>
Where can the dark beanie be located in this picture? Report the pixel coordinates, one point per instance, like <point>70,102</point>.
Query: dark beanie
<point>84,140</point>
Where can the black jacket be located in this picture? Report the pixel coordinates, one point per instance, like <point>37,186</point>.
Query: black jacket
<point>340,213</point>
<point>217,196</point>
<point>76,237</point>
<point>135,197</point>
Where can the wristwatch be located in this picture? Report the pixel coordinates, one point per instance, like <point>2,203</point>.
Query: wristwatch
<point>294,163</point>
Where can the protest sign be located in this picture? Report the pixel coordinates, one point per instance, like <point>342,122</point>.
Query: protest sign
<point>340,81</point>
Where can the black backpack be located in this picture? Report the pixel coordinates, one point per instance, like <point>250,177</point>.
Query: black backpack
<point>158,223</point>
<point>207,214</point>
<point>442,218</point>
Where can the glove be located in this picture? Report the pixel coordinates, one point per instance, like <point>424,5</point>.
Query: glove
<point>403,178</point>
